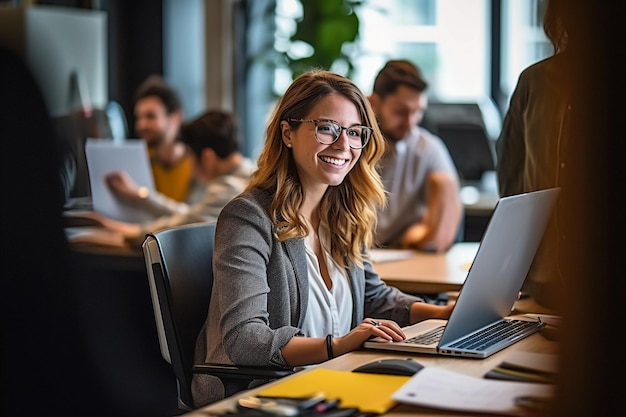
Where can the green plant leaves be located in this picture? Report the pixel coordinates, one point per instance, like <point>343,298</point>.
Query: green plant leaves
<point>326,25</point>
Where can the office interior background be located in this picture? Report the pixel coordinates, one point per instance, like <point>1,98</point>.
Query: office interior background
<point>204,48</point>
<point>235,54</point>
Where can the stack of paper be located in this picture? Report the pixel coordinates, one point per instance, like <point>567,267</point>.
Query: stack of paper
<point>526,367</point>
<point>442,389</point>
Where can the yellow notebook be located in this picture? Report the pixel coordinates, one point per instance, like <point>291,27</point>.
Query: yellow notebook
<point>370,393</point>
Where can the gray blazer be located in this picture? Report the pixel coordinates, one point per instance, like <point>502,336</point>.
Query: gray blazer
<point>260,293</point>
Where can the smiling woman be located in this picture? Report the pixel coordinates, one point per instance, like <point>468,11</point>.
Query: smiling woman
<point>291,257</point>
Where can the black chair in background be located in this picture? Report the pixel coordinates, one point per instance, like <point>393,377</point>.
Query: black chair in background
<point>179,262</point>
<point>471,150</point>
<point>469,130</point>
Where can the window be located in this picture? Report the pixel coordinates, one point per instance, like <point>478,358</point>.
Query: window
<point>524,41</point>
<point>450,40</point>
<point>447,39</point>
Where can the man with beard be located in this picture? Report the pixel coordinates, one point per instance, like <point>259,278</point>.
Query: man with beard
<point>158,116</point>
<point>423,209</point>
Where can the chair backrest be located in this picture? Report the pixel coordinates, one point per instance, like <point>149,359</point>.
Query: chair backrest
<point>469,130</point>
<point>179,262</point>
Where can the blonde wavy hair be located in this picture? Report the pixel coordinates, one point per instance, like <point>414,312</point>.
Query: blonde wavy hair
<point>350,208</point>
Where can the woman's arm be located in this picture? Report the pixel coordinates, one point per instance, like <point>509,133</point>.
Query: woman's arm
<point>254,286</point>
<point>422,311</point>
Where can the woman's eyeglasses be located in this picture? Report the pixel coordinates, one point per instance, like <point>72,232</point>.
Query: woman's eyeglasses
<point>328,131</point>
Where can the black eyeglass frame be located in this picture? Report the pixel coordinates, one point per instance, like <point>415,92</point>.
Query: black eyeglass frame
<point>341,129</point>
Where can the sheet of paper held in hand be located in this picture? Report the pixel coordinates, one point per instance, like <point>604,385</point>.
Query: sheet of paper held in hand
<point>439,388</point>
<point>105,156</point>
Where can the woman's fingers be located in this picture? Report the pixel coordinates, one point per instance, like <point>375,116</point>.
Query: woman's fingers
<point>387,329</point>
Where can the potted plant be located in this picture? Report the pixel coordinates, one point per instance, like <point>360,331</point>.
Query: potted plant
<point>323,37</point>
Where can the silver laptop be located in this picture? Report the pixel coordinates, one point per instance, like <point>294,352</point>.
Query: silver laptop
<point>478,326</point>
<point>104,156</point>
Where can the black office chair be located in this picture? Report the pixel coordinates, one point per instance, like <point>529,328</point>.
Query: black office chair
<point>179,262</point>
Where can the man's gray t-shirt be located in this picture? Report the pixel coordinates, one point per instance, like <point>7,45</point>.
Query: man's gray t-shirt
<point>404,170</point>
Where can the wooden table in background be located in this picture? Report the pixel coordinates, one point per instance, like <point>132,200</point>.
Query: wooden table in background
<point>429,273</point>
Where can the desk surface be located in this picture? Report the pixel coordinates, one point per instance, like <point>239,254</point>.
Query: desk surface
<point>471,367</point>
<point>430,273</point>
<point>98,247</point>
<point>116,257</point>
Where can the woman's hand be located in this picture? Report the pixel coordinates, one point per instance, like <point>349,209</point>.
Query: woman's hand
<point>387,329</point>
<point>305,350</point>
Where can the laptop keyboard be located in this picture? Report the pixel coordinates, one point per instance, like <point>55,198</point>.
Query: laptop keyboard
<point>429,338</point>
<point>479,341</point>
<point>494,334</point>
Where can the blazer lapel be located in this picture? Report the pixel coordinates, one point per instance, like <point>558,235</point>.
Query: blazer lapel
<point>357,282</point>
<point>296,254</point>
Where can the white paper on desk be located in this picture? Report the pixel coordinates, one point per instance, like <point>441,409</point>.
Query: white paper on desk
<point>389,255</point>
<point>439,388</point>
<point>95,235</point>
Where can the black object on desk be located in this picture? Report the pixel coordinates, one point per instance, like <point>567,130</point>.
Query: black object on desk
<point>392,366</point>
<point>292,407</point>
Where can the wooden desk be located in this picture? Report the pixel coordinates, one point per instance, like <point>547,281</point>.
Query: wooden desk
<point>472,367</point>
<point>430,273</point>
<point>99,247</point>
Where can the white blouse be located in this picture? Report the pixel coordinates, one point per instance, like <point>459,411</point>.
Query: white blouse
<point>328,311</point>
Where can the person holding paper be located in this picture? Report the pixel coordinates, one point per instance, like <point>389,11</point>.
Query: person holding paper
<point>220,167</point>
<point>293,285</point>
<point>159,115</point>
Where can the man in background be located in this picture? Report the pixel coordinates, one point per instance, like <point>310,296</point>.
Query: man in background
<point>158,117</point>
<point>424,208</point>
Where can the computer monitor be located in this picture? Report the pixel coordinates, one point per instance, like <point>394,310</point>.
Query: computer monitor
<point>66,49</point>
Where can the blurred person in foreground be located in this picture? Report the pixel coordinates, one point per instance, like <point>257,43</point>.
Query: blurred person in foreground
<point>531,148</point>
<point>48,363</point>
<point>574,102</point>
